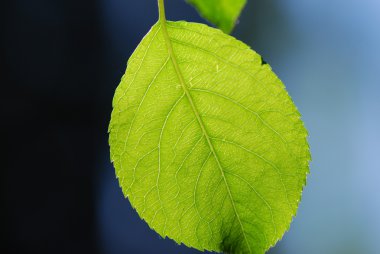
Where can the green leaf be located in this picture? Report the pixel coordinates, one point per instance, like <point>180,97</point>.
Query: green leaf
<point>207,144</point>
<point>222,13</point>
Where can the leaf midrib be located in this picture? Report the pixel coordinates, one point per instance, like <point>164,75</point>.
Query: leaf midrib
<point>169,47</point>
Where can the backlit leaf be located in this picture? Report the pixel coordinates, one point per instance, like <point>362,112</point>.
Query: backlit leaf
<point>222,13</point>
<point>207,144</point>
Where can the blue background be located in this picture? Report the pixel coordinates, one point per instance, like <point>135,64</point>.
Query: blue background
<point>62,60</point>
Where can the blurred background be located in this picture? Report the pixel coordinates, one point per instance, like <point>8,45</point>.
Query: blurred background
<point>61,60</point>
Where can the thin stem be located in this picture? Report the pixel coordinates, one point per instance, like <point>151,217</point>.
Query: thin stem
<point>161,11</point>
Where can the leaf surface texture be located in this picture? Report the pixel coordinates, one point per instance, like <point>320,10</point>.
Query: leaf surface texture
<point>207,144</point>
<point>222,13</point>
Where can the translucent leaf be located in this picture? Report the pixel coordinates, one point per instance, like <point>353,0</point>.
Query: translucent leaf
<point>207,144</point>
<point>222,13</point>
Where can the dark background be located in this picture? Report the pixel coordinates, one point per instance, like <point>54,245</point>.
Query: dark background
<point>53,69</point>
<point>60,62</point>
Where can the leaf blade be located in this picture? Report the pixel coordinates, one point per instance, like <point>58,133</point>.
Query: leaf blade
<point>176,182</point>
<point>222,13</point>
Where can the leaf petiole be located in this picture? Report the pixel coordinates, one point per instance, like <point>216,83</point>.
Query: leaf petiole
<point>161,11</point>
